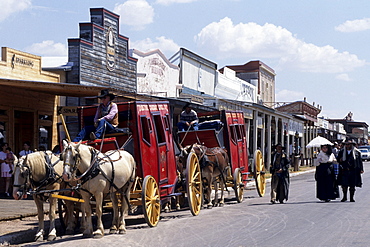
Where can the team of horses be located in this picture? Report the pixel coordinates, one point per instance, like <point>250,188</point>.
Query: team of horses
<point>100,175</point>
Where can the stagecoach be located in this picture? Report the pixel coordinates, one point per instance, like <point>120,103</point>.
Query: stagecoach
<point>146,132</point>
<point>226,129</point>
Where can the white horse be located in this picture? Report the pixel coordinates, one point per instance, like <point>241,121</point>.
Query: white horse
<point>99,174</point>
<point>40,171</point>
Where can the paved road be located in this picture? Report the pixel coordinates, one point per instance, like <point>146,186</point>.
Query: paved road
<point>302,221</point>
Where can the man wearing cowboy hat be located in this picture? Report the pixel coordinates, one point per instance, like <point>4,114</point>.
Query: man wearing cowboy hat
<point>279,170</point>
<point>106,118</point>
<point>188,119</point>
<point>351,169</point>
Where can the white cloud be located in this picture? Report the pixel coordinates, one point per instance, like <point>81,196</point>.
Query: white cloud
<point>53,61</point>
<point>162,43</point>
<point>48,48</point>
<point>168,2</point>
<point>9,7</point>
<point>135,13</point>
<point>270,41</point>
<point>354,25</point>
<point>343,77</point>
<point>288,96</point>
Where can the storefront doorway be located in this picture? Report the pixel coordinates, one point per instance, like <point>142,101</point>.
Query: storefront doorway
<point>23,130</point>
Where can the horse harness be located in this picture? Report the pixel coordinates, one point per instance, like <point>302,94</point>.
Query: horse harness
<point>50,178</point>
<point>95,169</point>
<point>204,155</point>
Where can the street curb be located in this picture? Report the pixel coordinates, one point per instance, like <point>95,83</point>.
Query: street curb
<point>292,174</point>
<point>18,217</point>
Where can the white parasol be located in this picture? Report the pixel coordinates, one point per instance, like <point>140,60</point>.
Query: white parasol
<point>318,141</point>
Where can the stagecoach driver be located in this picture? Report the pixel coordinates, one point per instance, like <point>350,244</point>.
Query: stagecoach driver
<point>188,119</point>
<point>106,118</point>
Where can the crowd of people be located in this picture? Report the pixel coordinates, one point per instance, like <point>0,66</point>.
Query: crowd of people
<point>7,161</point>
<point>338,165</point>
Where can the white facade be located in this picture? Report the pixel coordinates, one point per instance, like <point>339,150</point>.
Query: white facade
<point>196,72</point>
<point>155,74</point>
<point>231,87</point>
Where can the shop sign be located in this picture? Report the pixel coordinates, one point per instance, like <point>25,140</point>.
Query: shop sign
<point>111,49</point>
<point>67,110</point>
<point>16,60</point>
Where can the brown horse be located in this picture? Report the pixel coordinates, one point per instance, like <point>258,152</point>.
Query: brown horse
<point>214,164</point>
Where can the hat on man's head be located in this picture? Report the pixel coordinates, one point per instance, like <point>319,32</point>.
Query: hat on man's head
<point>279,144</point>
<point>105,92</point>
<point>350,141</point>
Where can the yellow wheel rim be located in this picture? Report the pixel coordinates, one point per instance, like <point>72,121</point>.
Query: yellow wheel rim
<point>151,201</point>
<point>259,173</point>
<point>194,184</point>
<point>238,185</point>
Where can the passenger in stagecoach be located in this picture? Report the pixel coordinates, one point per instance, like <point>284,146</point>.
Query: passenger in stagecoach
<point>105,120</point>
<point>279,170</point>
<point>188,119</point>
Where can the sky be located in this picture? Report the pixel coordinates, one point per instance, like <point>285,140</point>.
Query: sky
<point>319,49</point>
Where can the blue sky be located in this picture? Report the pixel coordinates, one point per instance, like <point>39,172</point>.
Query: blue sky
<point>318,49</point>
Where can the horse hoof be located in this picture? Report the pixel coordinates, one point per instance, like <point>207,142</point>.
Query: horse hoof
<point>51,237</point>
<point>112,231</point>
<point>221,205</point>
<point>166,210</point>
<point>98,235</point>
<point>209,206</point>
<point>39,238</point>
<point>122,232</point>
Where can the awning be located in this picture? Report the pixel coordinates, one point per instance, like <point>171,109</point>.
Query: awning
<point>54,88</point>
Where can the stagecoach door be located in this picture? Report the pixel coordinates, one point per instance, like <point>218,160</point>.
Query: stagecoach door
<point>162,148</point>
<point>238,146</point>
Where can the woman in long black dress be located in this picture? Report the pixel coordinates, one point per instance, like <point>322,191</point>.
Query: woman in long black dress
<point>326,186</point>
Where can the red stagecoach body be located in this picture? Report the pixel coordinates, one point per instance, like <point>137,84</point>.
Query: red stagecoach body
<point>146,133</point>
<point>222,129</point>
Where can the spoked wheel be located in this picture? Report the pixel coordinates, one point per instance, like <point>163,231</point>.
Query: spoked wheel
<point>259,173</point>
<point>194,184</point>
<point>238,185</point>
<point>151,201</point>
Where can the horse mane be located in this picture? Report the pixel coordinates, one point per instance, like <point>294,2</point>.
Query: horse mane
<point>36,162</point>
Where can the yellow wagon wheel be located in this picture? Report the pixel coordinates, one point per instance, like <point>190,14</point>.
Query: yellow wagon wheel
<point>194,184</point>
<point>259,173</point>
<point>151,201</point>
<point>238,185</point>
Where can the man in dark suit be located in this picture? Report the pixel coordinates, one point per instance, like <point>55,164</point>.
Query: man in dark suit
<point>351,168</point>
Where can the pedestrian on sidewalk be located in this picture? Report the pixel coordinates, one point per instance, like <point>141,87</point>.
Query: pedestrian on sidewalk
<point>26,149</point>
<point>351,168</point>
<point>6,159</point>
<point>279,170</point>
<point>326,185</point>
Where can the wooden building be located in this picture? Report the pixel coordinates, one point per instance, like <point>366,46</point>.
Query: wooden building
<point>25,114</point>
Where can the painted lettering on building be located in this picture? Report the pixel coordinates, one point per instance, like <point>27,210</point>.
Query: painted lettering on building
<point>21,61</point>
<point>111,49</point>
